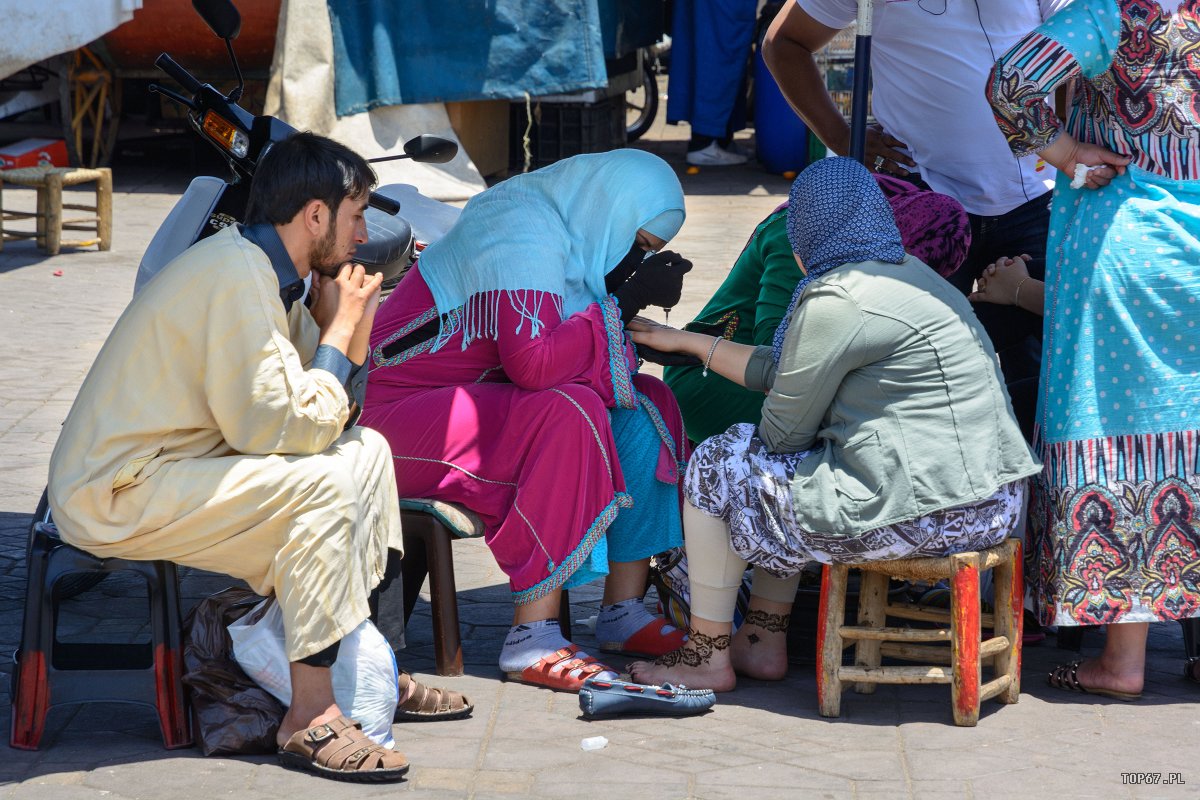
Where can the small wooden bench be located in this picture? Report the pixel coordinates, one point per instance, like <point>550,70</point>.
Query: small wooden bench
<point>50,223</point>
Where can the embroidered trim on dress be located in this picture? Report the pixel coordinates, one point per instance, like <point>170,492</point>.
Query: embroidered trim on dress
<point>409,327</point>
<point>595,433</point>
<point>575,560</point>
<point>656,419</point>
<point>452,465</point>
<point>618,367</point>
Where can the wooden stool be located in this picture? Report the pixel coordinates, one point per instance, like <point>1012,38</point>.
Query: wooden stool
<point>49,183</point>
<point>430,527</point>
<point>872,638</point>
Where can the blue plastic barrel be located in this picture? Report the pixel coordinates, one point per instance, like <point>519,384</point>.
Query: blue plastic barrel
<point>781,138</point>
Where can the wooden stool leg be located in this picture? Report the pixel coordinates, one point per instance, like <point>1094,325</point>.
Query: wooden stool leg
<point>443,597</point>
<point>53,218</point>
<point>830,618</point>
<point>964,638</point>
<point>872,613</point>
<point>104,207</point>
<point>40,217</point>
<point>1010,617</point>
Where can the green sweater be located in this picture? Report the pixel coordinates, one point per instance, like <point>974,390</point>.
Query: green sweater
<point>888,377</point>
<point>752,300</point>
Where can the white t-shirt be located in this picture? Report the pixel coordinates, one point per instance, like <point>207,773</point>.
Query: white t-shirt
<point>929,65</point>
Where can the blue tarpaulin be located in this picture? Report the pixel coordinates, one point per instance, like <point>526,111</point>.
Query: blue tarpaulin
<point>390,52</point>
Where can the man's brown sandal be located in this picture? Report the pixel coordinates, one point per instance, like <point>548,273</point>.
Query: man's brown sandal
<point>339,750</point>
<point>427,704</point>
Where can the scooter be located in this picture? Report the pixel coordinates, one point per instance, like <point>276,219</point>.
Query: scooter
<point>212,203</point>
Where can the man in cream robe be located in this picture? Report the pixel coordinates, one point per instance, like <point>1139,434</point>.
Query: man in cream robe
<point>209,431</point>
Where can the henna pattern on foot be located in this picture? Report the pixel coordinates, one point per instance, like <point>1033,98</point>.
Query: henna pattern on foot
<point>772,623</point>
<point>696,651</point>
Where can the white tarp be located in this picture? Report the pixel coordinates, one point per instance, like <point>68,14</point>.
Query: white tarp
<point>32,31</point>
<point>301,94</point>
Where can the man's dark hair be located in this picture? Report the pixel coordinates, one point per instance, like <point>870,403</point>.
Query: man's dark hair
<point>301,168</point>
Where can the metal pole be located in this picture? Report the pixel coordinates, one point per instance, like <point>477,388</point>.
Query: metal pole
<point>862,80</point>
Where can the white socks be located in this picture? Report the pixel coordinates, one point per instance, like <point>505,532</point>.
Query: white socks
<point>530,642</point>
<point>620,621</point>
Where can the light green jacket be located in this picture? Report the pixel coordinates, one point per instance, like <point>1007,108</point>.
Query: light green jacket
<point>888,377</point>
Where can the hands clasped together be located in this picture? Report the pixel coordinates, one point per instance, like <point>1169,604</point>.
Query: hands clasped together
<point>344,308</point>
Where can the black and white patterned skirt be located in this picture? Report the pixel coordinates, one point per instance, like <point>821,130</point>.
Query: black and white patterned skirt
<point>735,477</point>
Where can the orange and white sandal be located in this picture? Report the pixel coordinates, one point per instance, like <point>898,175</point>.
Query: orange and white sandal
<point>564,670</point>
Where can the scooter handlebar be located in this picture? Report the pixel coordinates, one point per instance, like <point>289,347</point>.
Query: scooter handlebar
<point>385,204</point>
<point>177,73</point>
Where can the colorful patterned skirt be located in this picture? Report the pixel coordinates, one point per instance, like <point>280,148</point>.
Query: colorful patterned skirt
<point>1113,534</point>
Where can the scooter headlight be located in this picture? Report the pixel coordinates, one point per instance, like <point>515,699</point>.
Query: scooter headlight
<point>225,134</point>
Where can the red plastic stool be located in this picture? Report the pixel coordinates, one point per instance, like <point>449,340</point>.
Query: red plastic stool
<point>52,673</point>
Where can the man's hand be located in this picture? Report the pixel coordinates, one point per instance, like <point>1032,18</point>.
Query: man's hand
<point>884,153</point>
<point>345,305</point>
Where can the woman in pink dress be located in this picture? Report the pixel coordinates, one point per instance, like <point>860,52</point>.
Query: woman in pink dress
<point>504,381</point>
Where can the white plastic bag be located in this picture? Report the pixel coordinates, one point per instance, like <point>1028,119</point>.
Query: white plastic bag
<point>365,676</point>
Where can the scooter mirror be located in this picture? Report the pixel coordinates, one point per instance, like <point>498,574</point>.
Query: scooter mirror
<point>430,149</point>
<point>221,16</point>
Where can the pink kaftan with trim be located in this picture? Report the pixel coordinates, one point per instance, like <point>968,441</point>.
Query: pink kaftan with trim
<point>517,428</point>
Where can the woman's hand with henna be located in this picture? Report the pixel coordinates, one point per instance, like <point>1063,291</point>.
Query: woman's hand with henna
<point>663,338</point>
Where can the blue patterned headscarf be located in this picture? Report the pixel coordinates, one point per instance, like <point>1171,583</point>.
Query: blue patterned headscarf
<point>548,236</point>
<point>836,215</point>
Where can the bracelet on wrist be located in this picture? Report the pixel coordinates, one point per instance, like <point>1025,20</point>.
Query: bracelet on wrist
<point>711,350</point>
<point>1017,292</point>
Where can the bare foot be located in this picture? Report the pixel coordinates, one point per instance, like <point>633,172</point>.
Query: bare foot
<point>1095,674</point>
<point>760,646</point>
<point>702,663</point>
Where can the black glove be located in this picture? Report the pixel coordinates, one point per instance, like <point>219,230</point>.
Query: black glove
<point>657,282</point>
<point>666,359</point>
<point>617,276</point>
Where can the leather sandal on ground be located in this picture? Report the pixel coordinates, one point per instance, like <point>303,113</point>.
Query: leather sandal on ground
<point>564,670</point>
<point>649,642</point>
<point>1066,677</point>
<point>427,704</point>
<point>340,751</point>
<point>1191,669</point>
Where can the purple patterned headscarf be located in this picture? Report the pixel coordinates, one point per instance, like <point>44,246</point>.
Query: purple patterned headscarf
<point>933,226</point>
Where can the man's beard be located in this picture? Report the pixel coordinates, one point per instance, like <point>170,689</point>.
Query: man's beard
<point>322,256</point>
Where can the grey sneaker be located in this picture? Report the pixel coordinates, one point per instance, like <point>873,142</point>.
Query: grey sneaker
<point>715,156</point>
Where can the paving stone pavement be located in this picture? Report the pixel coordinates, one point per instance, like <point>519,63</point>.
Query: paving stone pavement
<point>765,739</point>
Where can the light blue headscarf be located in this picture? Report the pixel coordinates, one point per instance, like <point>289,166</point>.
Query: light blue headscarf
<point>837,215</point>
<point>549,235</point>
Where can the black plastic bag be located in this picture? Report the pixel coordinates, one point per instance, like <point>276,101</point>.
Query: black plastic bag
<point>231,713</point>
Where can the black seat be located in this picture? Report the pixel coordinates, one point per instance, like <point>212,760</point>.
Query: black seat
<point>389,240</point>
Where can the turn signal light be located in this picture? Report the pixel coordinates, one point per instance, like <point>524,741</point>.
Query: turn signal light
<point>223,133</point>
